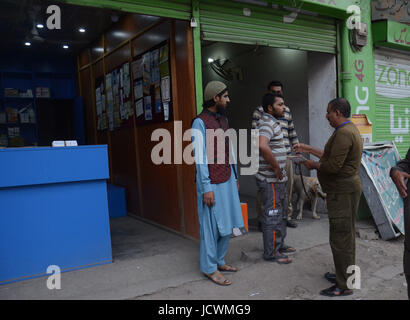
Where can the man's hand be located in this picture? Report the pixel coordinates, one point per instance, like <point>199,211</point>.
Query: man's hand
<point>310,164</point>
<point>209,198</point>
<point>278,173</point>
<point>301,147</point>
<point>398,179</point>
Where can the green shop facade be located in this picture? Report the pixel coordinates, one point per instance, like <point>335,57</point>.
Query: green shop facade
<point>322,26</point>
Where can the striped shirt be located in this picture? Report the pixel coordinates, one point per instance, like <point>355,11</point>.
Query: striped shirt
<point>290,137</point>
<point>270,127</point>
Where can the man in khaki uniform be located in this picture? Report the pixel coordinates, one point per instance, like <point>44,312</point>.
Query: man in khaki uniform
<point>338,173</point>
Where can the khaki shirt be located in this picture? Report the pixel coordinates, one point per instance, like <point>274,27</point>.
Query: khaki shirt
<point>340,163</point>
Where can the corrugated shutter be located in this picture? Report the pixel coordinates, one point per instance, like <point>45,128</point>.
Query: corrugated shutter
<point>225,21</point>
<point>178,9</point>
<point>392,99</point>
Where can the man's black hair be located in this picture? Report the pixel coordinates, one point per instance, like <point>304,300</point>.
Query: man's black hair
<point>211,102</point>
<point>342,105</point>
<point>269,100</point>
<point>275,83</point>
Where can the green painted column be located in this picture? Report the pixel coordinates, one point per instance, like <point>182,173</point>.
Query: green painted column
<point>358,75</point>
<point>197,56</point>
<point>358,79</point>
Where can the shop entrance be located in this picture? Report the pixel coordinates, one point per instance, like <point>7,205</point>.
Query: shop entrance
<point>309,80</point>
<point>66,72</point>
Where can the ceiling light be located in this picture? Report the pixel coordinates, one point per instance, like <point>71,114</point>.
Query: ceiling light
<point>81,30</point>
<point>65,46</point>
<point>40,26</point>
<point>27,44</point>
<point>210,60</point>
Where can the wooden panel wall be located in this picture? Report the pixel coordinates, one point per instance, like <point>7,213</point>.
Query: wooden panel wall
<point>186,112</point>
<point>164,194</point>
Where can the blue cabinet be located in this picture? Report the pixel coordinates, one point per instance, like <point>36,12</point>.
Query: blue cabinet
<point>54,210</point>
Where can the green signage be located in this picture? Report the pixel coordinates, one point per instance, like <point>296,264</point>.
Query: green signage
<point>391,34</point>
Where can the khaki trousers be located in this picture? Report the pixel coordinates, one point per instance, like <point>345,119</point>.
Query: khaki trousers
<point>342,209</point>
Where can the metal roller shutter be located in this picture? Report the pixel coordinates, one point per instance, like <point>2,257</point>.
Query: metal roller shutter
<point>392,99</point>
<point>226,21</point>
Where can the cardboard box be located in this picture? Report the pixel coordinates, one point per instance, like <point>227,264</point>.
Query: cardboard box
<point>364,125</point>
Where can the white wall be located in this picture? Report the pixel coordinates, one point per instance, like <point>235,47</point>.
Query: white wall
<point>322,88</point>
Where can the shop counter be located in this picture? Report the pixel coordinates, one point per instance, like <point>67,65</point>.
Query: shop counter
<point>53,210</point>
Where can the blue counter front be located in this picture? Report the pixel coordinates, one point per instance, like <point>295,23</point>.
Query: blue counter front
<point>53,210</point>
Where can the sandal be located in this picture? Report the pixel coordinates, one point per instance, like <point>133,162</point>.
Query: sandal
<point>334,291</point>
<point>287,249</point>
<point>280,259</point>
<point>218,278</point>
<point>331,277</point>
<point>285,260</point>
<point>227,268</point>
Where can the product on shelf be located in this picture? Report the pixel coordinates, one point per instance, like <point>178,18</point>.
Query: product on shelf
<point>11,92</point>
<point>42,92</point>
<point>27,94</point>
<point>12,115</point>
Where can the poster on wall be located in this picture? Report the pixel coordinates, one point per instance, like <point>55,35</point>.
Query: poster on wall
<point>377,161</point>
<point>100,104</point>
<point>137,68</point>
<point>120,110</point>
<point>110,101</point>
<point>152,85</point>
<point>139,107</point>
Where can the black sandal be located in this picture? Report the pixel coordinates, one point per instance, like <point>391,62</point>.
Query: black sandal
<point>287,249</point>
<point>331,277</point>
<point>277,258</point>
<point>334,291</point>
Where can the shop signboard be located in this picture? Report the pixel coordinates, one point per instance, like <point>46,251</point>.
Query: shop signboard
<point>392,34</point>
<point>388,9</point>
<point>392,99</point>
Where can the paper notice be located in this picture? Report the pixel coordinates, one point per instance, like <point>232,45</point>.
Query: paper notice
<point>138,92</point>
<point>137,69</point>
<point>165,89</point>
<point>166,111</point>
<point>147,106</point>
<point>139,107</point>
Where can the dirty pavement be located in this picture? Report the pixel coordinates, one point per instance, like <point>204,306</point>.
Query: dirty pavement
<point>152,263</point>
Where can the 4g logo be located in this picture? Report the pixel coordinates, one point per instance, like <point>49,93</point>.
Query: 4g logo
<point>54,20</point>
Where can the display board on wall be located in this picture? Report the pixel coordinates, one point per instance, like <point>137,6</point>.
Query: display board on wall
<point>152,85</point>
<point>100,104</point>
<point>382,195</point>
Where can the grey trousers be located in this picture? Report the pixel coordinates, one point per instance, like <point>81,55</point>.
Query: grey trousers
<point>274,217</point>
<point>289,188</point>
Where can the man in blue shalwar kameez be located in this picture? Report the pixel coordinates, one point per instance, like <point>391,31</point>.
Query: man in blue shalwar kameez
<point>219,209</point>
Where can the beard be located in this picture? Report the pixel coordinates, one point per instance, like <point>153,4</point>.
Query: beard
<point>221,109</point>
